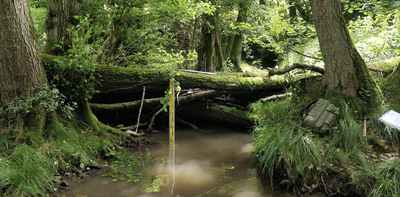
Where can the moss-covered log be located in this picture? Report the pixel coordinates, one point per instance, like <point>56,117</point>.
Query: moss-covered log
<point>128,80</point>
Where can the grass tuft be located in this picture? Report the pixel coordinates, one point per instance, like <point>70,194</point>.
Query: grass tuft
<point>25,173</point>
<point>281,147</point>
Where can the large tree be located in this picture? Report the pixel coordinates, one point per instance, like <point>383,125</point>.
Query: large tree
<point>61,15</point>
<point>21,74</point>
<point>345,70</point>
<point>210,55</point>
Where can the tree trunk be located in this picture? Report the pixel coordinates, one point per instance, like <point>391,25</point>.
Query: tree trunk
<point>235,55</point>
<point>60,17</point>
<point>210,56</point>
<point>345,71</point>
<point>20,71</point>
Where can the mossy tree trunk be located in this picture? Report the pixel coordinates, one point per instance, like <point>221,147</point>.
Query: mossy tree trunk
<point>235,54</point>
<point>210,56</point>
<point>60,17</point>
<point>391,86</point>
<point>345,71</point>
<point>21,74</point>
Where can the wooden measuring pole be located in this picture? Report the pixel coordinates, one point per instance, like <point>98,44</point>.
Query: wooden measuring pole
<point>172,137</point>
<point>172,112</point>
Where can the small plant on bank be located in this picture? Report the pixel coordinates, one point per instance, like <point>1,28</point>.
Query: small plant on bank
<point>48,98</point>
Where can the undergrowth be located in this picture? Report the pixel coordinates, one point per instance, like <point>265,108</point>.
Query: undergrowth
<point>285,150</point>
<point>282,148</point>
<point>29,168</point>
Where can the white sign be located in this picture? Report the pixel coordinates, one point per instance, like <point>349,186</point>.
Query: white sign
<point>391,118</point>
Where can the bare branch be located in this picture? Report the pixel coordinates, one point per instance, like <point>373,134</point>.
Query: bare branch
<point>297,65</point>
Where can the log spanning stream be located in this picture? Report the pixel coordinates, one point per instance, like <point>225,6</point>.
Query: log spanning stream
<point>210,162</point>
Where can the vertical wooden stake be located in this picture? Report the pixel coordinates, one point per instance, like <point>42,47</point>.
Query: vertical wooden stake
<point>172,137</point>
<point>365,128</point>
<point>172,112</point>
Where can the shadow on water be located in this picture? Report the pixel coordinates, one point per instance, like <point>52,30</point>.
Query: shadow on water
<point>211,162</point>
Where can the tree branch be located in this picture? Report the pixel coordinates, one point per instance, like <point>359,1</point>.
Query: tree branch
<point>297,65</point>
<point>274,97</point>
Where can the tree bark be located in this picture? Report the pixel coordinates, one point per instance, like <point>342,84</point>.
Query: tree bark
<point>235,55</point>
<point>210,55</point>
<point>20,71</point>
<point>60,17</point>
<point>345,71</point>
<point>21,74</point>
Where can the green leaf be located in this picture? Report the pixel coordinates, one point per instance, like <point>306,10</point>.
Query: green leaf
<point>350,10</point>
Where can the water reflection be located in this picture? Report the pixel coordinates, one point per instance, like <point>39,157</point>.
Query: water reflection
<point>214,162</point>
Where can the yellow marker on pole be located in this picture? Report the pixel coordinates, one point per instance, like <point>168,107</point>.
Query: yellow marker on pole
<point>172,137</point>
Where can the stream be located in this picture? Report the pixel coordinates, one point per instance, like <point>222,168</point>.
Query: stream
<point>210,162</point>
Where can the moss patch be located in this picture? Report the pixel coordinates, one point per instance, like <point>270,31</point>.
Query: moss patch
<point>391,86</point>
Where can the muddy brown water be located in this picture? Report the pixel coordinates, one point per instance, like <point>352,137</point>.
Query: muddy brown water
<point>210,162</point>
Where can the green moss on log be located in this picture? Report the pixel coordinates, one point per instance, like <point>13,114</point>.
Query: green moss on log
<point>386,65</point>
<point>128,80</point>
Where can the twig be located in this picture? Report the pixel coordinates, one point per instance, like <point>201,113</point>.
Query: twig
<point>304,54</point>
<point>151,121</point>
<point>140,110</point>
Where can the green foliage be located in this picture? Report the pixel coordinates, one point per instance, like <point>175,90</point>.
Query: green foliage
<point>25,173</point>
<point>376,39</point>
<point>69,147</point>
<point>38,16</point>
<point>280,144</point>
<point>30,170</point>
<point>37,3</point>
<point>228,67</point>
<point>75,76</point>
<point>168,94</point>
<point>387,177</point>
<point>350,135</point>
<point>128,166</point>
<point>49,99</point>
